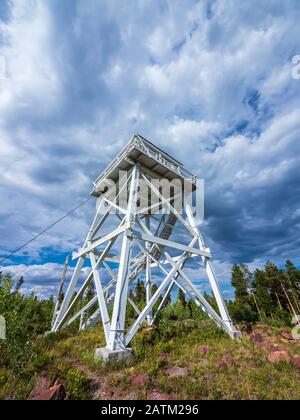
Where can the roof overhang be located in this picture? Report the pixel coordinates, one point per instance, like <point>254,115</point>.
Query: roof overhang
<point>153,160</point>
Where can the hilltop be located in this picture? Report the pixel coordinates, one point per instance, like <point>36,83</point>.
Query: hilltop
<point>178,360</point>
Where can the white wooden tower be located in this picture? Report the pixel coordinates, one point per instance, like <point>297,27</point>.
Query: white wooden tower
<point>138,232</point>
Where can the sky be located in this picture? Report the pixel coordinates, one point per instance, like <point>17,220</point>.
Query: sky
<point>208,81</point>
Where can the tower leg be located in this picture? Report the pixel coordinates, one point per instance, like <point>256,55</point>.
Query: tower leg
<point>148,288</point>
<point>73,282</point>
<point>212,278</point>
<point>116,334</point>
<point>148,274</point>
<point>100,296</point>
<point>115,346</point>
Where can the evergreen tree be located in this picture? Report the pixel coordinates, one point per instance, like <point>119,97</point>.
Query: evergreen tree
<point>272,289</point>
<point>140,293</point>
<point>90,293</point>
<point>19,284</point>
<point>242,309</point>
<point>181,297</point>
<point>241,280</point>
<point>26,318</point>
<point>294,278</point>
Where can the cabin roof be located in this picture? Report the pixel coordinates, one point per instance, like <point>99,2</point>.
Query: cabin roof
<point>150,157</point>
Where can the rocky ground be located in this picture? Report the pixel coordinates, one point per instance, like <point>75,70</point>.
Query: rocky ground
<point>189,361</point>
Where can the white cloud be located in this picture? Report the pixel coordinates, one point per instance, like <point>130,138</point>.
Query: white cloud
<point>33,80</point>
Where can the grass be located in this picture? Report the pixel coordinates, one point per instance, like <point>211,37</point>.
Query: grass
<point>249,375</point>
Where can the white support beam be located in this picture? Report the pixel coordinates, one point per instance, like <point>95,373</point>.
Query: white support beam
<point>100,241</point>
<point>84,286</point>
<point>74,279</point>
<point>68,296</point>
<point>134,306</point>
<point>157,294</point>
<point>165,262</point>
<point>120,209</point>
<point>107,212</point>
<point>96,316</point>
<point>148,271</point>
<point>201,298</point>
<point>88,306</point>
<point>162,303</point>
<point>174,283</point>
<point>166,243</point>
<point>116,336</point>
<point>133,329</point>
<point>160,264</point>
<point>60,291</point>
<point>171,208</point>
<point>100,296</point>
<point>146,210</point>
<point>92,320</point>
<point>210,273</point>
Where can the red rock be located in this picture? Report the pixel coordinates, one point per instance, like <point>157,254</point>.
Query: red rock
<point>266,345</point>
<point>257,338</point>
<point>156,395</point>
<point>141,379</point>
<point>287,336</point>
<point>270,346</point>
<point>279,347</point>
<point>203,350</point>
<point>60,382</point>
<point>199,363</point>
<point>57,392</point>
<point>175,371</point>
<point>248,353</point>
<point>296,361</point>
<point>262,327</point>
<point>192,365</point>
<point>250,366</point>
<point>42,386</point>
<point>278,356</point>
<point>227,361</point>
<point>285,330</point>
<point>203,362</point>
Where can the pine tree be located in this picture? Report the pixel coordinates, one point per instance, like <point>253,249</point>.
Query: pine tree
<point>181,297</point>
<point>294,277</point>
<point>241,280</point>
<point>19,284</point>
<point>242,309</point>
<point>90,293</point>
<point>140,293</point>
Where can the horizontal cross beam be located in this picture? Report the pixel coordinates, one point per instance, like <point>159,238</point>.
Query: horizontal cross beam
<point>166,243</point>
<point>99,242</point>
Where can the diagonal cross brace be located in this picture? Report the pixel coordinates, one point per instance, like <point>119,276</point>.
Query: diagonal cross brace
<point>154,298</point>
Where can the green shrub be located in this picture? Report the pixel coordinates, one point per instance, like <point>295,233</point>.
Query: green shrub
<point>77,385</point>
<point>26,318</point>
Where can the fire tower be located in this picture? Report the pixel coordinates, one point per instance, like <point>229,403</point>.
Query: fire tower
<point>144,228</point>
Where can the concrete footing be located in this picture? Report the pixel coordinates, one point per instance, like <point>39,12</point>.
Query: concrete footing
<point>108,356</point>
<point>237,335</point>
